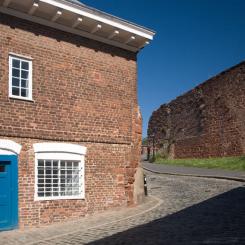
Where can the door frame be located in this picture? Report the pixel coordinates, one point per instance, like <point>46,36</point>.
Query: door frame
<point>13,159</point>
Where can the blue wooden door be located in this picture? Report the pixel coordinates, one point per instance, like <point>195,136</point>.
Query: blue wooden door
<point>8,192</point>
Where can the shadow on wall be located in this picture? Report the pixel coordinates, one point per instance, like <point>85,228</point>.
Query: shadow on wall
<point>219,220</point>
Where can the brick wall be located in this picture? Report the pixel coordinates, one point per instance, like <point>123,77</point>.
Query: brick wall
<point>84,92</point>
<point>208,121</point>
<point>106,184</point>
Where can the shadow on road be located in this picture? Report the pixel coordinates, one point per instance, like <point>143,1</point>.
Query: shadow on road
<point>219,220</point>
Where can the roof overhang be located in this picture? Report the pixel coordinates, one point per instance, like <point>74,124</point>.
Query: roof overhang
<point>73,17</point>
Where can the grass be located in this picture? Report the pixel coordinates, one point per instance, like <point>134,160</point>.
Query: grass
<point>229,163</point>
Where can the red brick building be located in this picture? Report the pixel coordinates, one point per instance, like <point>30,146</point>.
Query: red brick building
<point>70,126</point>
<point>207,121</point>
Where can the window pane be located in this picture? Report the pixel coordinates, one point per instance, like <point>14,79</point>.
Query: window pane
<point>41,194</point>
<point>40,163</point>
<point>48,163</point>
<point>15,91</point>
<point>48,175</point>
<point>55,164</point>
<point>25,65</point>
<point>15,82</point>
<point>15,63</point>
<point>24,74</point>
<point>24,83</point>
<point>47,193</point>
<point>2,168</point>
<point>62,176</point>
<point>41,179</point>
<point>69,164</point>
<point>24,92</point>
<point>55,173</point>
<point>40,172</point>
<point>15,73</point>
<point>62,164</point>
<point>55,176</point>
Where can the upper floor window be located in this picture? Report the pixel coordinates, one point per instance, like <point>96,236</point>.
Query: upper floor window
<point>20,77</point>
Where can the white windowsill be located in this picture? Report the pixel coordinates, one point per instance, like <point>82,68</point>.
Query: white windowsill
<point>21,98</point>
<point>59,198</point>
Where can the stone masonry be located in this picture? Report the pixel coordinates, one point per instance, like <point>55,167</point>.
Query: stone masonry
<point>208,121</point>
<point>84,92</point>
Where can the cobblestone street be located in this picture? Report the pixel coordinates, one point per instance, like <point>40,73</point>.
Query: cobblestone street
<point>190,210</point>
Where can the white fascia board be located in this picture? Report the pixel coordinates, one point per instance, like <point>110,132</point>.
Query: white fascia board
<point>81,10</point>
<point>65,28</point>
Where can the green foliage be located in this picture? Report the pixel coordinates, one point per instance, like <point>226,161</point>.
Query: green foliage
<point>230,163</point>
<point>152,159</point>
<point>145,141</point>
<point>158,157</point>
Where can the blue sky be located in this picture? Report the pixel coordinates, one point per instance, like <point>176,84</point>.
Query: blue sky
<point>195,40</point>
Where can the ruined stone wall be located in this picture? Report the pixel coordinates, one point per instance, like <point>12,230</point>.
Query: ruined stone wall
<point>208,121</point>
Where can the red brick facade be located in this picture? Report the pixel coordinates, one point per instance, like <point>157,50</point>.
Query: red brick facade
<point>84,92</point>
<point>208,121</point>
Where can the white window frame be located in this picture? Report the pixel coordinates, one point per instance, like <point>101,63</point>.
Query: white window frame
<point>29,61</point>
<point>60,151</point>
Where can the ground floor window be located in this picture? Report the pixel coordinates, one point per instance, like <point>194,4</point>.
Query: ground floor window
<point>59,171</point>
<point>59,178</point>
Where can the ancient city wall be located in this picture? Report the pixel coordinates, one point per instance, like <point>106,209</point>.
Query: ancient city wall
<point>208,121</point>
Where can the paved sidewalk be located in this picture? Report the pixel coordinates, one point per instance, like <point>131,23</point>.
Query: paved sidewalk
<point>192,171</point>
<point>91,222</point>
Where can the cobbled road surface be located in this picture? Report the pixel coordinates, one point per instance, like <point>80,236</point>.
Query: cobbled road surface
<point>192,211</point>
